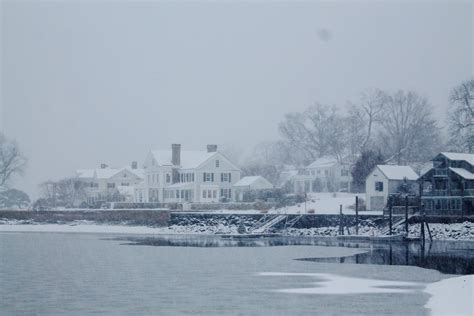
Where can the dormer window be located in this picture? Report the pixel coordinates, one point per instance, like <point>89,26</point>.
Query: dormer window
<point>217,163</point>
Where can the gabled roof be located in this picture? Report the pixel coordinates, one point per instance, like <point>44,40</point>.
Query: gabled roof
<point>395,172</point>
<point>139,172</point>
<point>323,162</point>
<point>465,174</point>
<point>460,157</point>
<point>85,173</point>
<point>189,158</point>
<point>248,181</point>
<point>105,173</point>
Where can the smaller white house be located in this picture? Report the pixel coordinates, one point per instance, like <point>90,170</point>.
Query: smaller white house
<point>325,174</point>
<point>246,185</point>
<point>109,184</point>
<point>384,180</point>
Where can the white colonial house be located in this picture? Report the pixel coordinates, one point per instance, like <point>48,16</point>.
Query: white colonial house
<point>110,184</point>
<point>324,174</point>
<point>250,184</point>
<point>187,176</point>
<point>384,180</point>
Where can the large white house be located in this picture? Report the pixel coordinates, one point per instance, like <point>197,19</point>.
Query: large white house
<point>187,176</point>
<point>384,180</point>
<point>324,174</point>
<point>110,184</point>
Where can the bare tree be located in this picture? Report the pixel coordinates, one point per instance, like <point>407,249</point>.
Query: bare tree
<point>317,132</point>
<point>408,131</point>
<point>65,192</point>
<point>461,116</point>
<point>12,162</point>
<point>363,118</point>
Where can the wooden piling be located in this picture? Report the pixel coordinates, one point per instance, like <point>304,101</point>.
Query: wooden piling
<point>390,215</point>
<point>357,215</point>
<point>341,221</point>
<point>422,220</point>
<point>406,214</point>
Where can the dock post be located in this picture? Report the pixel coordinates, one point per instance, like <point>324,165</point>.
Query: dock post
<point>406,214</point>
<point>390,215</point>
<point>341,221</point>
<point>422,220</point>
<point>357,215</point>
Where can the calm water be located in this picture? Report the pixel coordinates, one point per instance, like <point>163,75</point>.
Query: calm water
<point>54,273</point>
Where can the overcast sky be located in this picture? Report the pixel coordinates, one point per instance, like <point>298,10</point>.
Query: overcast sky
<point>85,82</point>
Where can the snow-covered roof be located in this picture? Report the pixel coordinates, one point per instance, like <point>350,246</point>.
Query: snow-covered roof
<point>139,172</point>
<point>323,162</point>
<point>85,173</point>
<point>463,173</point>
<point>460,156</point>
<point>247,181</point>
<point>395,172</point>
<point>252,180</point>
<point>105,173</point>
<point>189,158</point>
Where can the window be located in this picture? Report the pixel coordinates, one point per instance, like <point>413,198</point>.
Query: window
<point>209,194</point>
<point>226,177</point>
<point>379,186</point>
<point>168,178</point>
<point>110,185</point>
<point>344,173</point>
<point>125,184</point>
<point>203,194</point>
<point>226,193</point>
<point>217,163</point>
<point>326,172</point>
<point>208,177</point>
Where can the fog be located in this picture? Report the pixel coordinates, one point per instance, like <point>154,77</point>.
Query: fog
<point>90,82</point>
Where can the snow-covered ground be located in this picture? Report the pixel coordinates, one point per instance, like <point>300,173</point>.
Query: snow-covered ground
<point>327,203</point>
<point>454,296</point>
<point>317,203</point>
<point>325,283</point>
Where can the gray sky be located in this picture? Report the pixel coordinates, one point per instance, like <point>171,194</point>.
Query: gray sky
<point>85,82</point>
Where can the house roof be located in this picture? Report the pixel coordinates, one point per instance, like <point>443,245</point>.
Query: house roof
<point>189,158</point>
<point>247,181</point>
<point>323,162</point>
<point>139,172</point>
<point>395,172</point>
<point>463,173</point>
<point>460,156</point>
<point>85,173</point>
<point>105,173</point>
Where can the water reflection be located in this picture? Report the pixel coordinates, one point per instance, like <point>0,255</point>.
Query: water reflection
<point>445,256</point>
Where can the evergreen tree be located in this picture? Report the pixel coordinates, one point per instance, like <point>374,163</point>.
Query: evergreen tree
<point>363,166</point>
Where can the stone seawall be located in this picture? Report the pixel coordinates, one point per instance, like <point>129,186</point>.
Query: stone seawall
<point>119,217</point>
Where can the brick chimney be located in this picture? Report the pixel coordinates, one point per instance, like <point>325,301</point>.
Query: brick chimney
<point>211,148</point>
<point>134,165</point>
<point>176,154</point>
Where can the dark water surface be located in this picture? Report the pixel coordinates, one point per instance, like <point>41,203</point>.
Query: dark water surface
<point>77,274</point>
<point>450,257</point>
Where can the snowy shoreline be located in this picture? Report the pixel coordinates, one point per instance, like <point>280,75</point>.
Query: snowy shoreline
<point>447,232</point>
